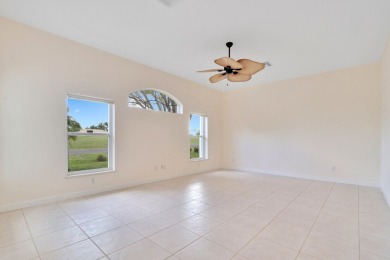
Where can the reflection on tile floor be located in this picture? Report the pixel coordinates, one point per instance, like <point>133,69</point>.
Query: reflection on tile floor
<point>216,215</point>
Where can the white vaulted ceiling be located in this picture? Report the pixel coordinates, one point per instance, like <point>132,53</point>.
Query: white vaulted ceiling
<point>299,38</point>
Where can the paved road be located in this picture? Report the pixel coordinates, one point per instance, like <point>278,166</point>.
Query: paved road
<point>87,151</point>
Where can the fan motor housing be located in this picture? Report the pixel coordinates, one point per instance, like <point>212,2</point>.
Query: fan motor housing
<point>228,69</point>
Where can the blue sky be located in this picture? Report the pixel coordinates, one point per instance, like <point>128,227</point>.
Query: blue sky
<point>88,113</point>
<point>194,124</point>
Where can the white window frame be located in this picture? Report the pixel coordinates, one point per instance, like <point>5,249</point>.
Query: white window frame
<point>110,134</point>
<point>179,108</point>
<point>203,137</point>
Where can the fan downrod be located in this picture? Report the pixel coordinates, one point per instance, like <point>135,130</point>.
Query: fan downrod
<point>229,45</point>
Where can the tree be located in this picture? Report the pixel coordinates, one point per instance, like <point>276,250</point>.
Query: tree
<point>153,100</point>
<point>73,126</point>
<point>101,126</point>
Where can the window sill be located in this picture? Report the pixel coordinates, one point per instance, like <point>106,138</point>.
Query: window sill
<point>87,173</point>
<point>198,159</point>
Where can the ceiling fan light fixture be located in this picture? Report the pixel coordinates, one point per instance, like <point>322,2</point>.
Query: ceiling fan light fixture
<point>235,71</point>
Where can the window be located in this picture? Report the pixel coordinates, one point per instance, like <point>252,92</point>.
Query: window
<point>90,135</point>
<point>151,99</point>
<point>198,137</point>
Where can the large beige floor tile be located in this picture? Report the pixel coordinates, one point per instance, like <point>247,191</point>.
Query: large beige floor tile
<point>307,213</point>
<point>203,249</point>
<point>214,199</point>
<point>250,225</point>
<point>325,249</point>
<point>42,213</point>
<point>218,214</point>
<point>174,238</point>
<point>81,217</point>
<point>375,245</point>
<point>161,205</point>
<point>101,225</point>
<point>151,225</point>
<point>292,222</point>
<point>85,250</point>
<point>195,206</point>
<point>260,214</point>
<point>59,239</point>
<point>297,186</point>
<point>46,226</point>
<point>117,239</point>
<point>73,206</point>
<point>369,256</point>
<point>132,215</point>
<point>339,221</point>
<point>239,257</point>
<point>113,208</point>
<point>235,205</point>
<point>20,251</point>
<point>12,220</point>
<point>12,236</point>
<point>335,234</point>
<point>288,237</point>
<point>274,213</point>
<point>176,214</point>
<point>302,256</point>
<point>199,224</point>
<point>229,236</point>
<point>274,204</point>
<point>141,250</point>
<point>263,249</point>
<point>381,230</point>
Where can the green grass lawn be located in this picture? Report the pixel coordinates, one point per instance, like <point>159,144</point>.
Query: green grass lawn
<point>194,155</point>
<point>81,162</point>
<point>89,142</point>
<point>194,141</point>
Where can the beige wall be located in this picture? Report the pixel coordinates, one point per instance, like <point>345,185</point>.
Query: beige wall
<point>38,69</point>
<point>385,162</point>
<point>324,126</point>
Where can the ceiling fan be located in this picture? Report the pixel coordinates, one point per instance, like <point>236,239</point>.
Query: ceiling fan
<point>235,71</point>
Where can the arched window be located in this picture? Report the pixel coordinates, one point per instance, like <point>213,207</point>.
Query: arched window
<point>157,100</point>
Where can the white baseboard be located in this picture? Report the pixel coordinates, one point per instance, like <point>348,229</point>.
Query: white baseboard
<point>78,194</point>
<point>73,195</point>
<point>386,194</point>
<point>309,177</point>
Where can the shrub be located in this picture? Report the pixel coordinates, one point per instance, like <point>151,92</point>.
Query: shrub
<point>196,149</point>
<point>101,158</point>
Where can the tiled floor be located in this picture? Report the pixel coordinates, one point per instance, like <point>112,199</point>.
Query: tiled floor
<point>218,215</point>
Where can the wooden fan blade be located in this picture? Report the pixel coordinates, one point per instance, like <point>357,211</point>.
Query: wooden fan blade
<point>226,61</point>
<point>213,70</point>
<point>217,77</point>
<point>238,77</point>
<point>250,67</point>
